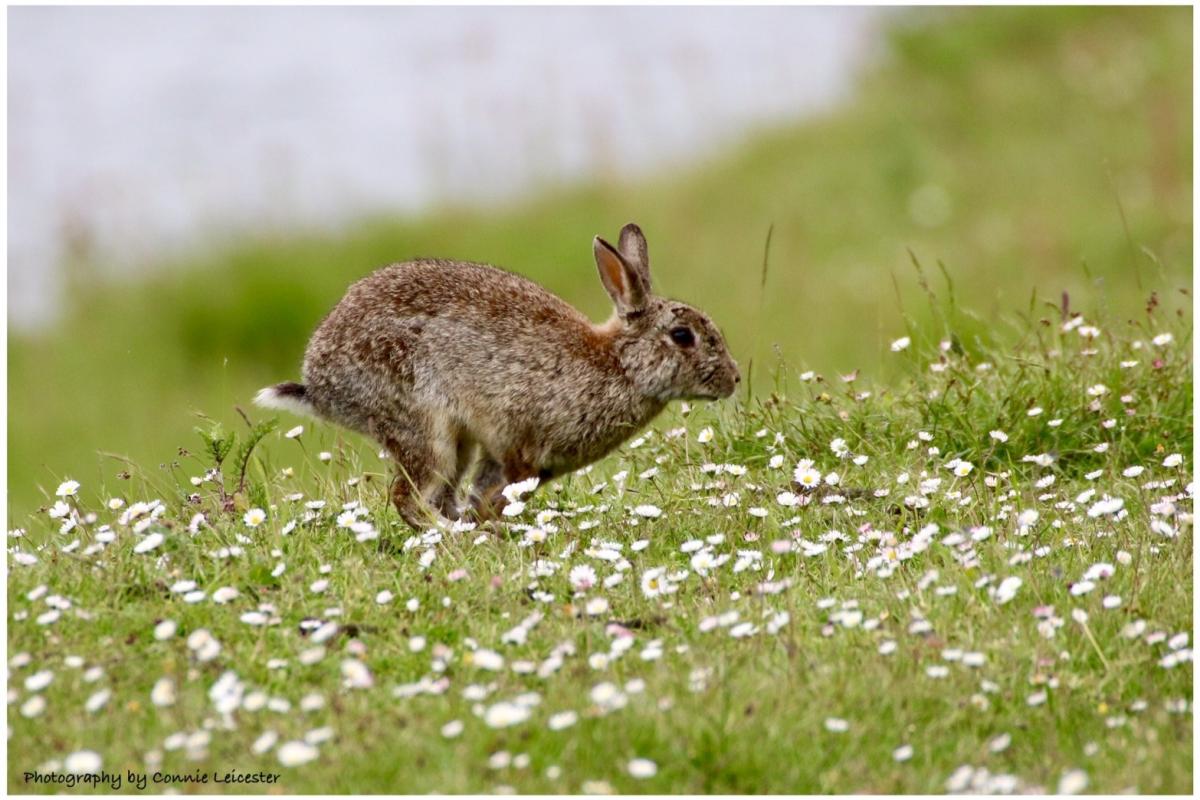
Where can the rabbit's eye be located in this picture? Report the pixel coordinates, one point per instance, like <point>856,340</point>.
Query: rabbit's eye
<point>683,337</point>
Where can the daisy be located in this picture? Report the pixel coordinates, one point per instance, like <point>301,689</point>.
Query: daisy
<point>806,475</point>
<point>505,715</point>
<point>582,577</point>
<point>163,693</point>
<point>294,754</point>
<point>561,720</point>
<point>82,761</point>
<point>653,582</point>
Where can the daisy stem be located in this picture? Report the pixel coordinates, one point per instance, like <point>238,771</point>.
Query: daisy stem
<point>1087,629</point>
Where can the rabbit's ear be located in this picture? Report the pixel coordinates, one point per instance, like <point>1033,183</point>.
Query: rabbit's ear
<point>624,283</point>
<point>632,245</point>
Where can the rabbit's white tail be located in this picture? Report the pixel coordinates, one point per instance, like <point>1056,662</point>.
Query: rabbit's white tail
<point>289,396</point>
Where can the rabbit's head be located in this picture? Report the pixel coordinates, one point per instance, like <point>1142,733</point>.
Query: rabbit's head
<point>669,349</point>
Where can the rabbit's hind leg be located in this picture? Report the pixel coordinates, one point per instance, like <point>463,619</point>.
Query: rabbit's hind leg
<point>446,499</point>
<point>425,455</point>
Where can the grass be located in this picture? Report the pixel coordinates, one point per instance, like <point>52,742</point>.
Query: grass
<point>1045,149</point>
<point>801,668</point>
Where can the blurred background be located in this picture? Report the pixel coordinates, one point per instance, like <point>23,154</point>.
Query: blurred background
<point>192,189</point>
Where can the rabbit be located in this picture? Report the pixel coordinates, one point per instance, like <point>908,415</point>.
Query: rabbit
<point>451,365</point>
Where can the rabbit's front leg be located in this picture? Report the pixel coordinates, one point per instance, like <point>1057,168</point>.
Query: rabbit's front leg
<point>486,501</point>
<point>487,493</point>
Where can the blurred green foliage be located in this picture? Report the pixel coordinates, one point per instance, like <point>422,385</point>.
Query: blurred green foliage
<point>1027,150</point>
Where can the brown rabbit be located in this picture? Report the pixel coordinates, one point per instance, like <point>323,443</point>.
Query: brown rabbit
<point>449,362</point>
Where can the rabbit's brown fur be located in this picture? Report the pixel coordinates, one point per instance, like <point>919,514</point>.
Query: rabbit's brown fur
<point>446,363</point>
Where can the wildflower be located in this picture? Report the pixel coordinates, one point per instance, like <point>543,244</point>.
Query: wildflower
<point>294,754</point>
<point>705,436</point>
<point>356,674</point>
<point>67,489</point>
<point>264,743</point>
<point>836,725</point>
<point>901,344</point>
<point>82,761</point>
<point>224,595</point>
<point>1163,339</point>
<point>163,693</point>
<point>254,517</point>
<point>963,468</point>
<point>806,475</point>
<point>513,492</point>
<point>295,432</point>
<point>1073,781</point>
<point>1173,460</point>
<point>33,707</point>
<point>903,753</point>
<point>149,543</point>
<point>505,715</point>
<point>999,436</point>
<point>703,561</point>
<point>648,511</point>
<point>654,583</point>
<point>561,720</point>
<point>642,768</point>
<point>1106,505</point>
<point>39,680</point>
<point>582,577</point>
<point>97,701</point>
<point>1007,589</point>
<point>1099,390</point>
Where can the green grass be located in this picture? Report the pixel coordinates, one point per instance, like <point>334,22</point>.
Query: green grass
<point>715,712</point>
<point>1045,149</point>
